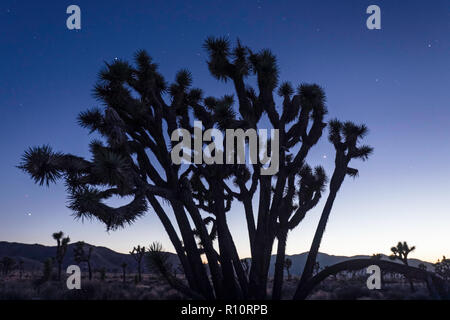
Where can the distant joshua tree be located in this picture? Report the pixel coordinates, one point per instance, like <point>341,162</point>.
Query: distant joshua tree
<point>377,256</point>
<point>7,264</point>
<point>102,272</point>
<point>47,270</point>
<point>80,255</point>
<point>61,249</point>
<point>422,266</point>
<point>401,252</point>
<point>20,264</point>
<point>442,268</point>
<point>124,271</point>
<point>138,253</point>
<point>288,265</point>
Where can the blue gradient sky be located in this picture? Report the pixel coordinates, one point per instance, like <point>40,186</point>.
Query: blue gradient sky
<point>396,80</point>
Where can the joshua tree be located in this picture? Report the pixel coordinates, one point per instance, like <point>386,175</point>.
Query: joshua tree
<point>80,255</point>
<point>345,138</point>
<point>158,263</point>
<point>61,249</point>
<point>422,266</point>
<point>102,272</point>
<point>401,252</point>
<point>20,263</point>
<point>442,268</point>
<point>288,265</point>
<point>7,264</point>
<point>377,256</point>
<point>47,270</point>
<point>138,253</point>
<point>47,273</point>
<point>311,185</point>
<point>124,271</point>
<point>133,159</point>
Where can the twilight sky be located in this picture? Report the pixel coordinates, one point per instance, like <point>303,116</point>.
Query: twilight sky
<point>396,80</point>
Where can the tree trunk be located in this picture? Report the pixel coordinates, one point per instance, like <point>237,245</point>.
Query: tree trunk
<point>192,252</point>
<point>210,252</point>
<point>230,285</point>
<point>279,265</point>
<point>59,270</point>
<point>248,207</point>
<point>258,278</point>
<point>312,255</point>
<point>437,287</point>
<point>89,269</point>
<point>173,236</point>
<point>139,271</point>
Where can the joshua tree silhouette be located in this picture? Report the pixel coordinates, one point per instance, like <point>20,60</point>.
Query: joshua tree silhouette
<point>7,265</point>
<point>442,268</point>
<point>288,265</point>
<point>21,268</point>
<point>422,266</point>
<point>377,256</point>
<point>124,266</point>
<point>345,138</point>
<point>61,249</point>
<point>401,252</point>
<point>133,160</point>
<point>138,253</point>
<point>80,255</point>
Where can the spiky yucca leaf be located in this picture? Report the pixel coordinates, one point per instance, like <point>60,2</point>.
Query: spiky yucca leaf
<point>158,260</point>
<point>58,235</point>
<point>352,131</point>
<point>42,164</point>
<point>312,96</point>
<point>111,168</point>
<point>224,113</point>
<point>87,203</point>
<point>264,64</point>
<point>285,89</point>
<point>335,129</point>
<point>117,72</point>
<point>352,172</point>
<point>218,50</point>
<point>91,119</point>
<point>362,152</point>
<point>184,79</point>
<point>240,61</point>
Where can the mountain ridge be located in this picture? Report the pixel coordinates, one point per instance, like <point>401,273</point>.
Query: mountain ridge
<point>34,256</point>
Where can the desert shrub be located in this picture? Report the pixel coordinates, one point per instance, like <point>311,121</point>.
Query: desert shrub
<point>89,291</point>
<point>17,290</point>
<point>351,292</point>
